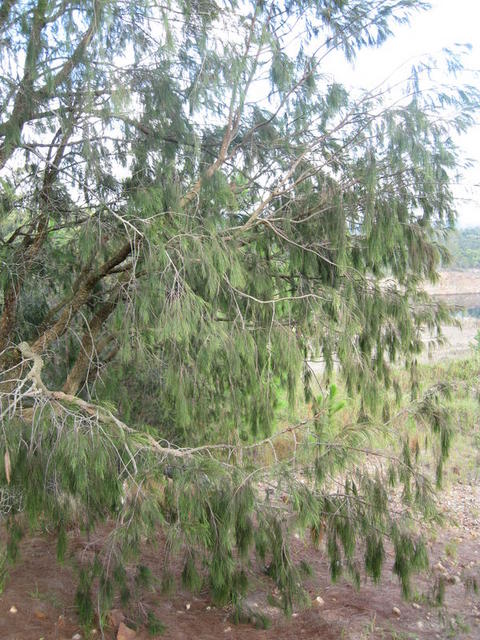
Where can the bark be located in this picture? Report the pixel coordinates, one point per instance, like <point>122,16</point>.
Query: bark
<point>83,294</point>
<point>88,349</point>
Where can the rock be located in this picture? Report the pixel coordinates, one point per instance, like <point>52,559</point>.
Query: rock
<point>396,611</point>
<point>125,633</point>
<point>76,636</point>
<point>13,609</point>
<point>319,601</point>
<point>187,606</point>
<point>208,608</point>
<point>415,605</point>
<point>420,624</point>
<point>39,614</point>
<point>227,630</point>
<point>115,617</point>
<point>439,567</point>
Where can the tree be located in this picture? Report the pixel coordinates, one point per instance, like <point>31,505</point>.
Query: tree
<point>464,246</point>
<point>191,211</point>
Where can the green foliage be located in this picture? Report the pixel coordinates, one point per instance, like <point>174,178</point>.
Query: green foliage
<point>464,247</point>
<point>83,596</point>
<point>187,221</point>
<point>3,571</point>
<point>155,626</point>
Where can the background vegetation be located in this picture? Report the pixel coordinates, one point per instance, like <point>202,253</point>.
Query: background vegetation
<point>464,246</point>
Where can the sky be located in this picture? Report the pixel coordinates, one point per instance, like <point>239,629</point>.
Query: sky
<point>446,23</point>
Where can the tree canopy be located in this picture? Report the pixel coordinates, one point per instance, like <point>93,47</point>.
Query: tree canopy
<point>192,210</point>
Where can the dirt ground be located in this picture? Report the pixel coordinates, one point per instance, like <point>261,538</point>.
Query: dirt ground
<point>42,593</point>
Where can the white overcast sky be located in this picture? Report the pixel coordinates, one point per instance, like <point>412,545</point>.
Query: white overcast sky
<point>446,23</point>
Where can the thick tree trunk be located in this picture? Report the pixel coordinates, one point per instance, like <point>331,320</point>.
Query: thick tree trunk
<point>88,348</point>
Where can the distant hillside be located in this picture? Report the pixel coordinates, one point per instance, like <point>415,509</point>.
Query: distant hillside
<point>464,245</point>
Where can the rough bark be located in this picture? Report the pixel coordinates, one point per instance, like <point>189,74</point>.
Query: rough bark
<point>88,348</point>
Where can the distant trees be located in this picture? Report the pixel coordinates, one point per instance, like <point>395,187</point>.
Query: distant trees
<point>464,246</point>
<point>190,210</point>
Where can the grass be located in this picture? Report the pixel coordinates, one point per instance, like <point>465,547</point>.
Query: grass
<point>401,635</point>
<point>47,597</point>
<point>451,549</point>
<point>456,625</point>
<point>463,407</point>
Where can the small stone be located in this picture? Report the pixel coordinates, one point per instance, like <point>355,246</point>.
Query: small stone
<point>13,609</point>
<point>76,636</point>
<point>319,601</point>
<point>227,630</point>
<point>187,606</point>
<point>420,624</point>
<point>115,617</point>
<point>396,611</point>
<point>415,605</point>
<point>125,633</point>
<point>439,567</point>
<point>39,614</point>
<point>208,608</point>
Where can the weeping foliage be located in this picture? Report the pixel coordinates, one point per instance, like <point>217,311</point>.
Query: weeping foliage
<point>191,212</point>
